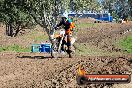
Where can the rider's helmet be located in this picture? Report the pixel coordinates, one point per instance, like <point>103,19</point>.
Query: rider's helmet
<point>64,15</point>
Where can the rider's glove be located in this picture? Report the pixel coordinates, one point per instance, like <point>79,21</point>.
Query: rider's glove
<point>51,37</point>
<point>56,27</point>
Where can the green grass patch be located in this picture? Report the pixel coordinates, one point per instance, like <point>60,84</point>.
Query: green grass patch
<point>41,38</point>
<point>15,48</point>
<point>36,36</point>
<point>126,44</point>
<point>86,25</point>
<point>85,49</point>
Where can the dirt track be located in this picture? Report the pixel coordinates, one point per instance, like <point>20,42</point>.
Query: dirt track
<point>29,70</point>
<point>33,70</point>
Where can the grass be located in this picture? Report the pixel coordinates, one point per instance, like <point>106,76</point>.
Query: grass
<point>126,44</point>
<point>41,37</point>
<point>15,48</point>
<point>86,25</point>
<point>36,36</point>
<point>87,50</point>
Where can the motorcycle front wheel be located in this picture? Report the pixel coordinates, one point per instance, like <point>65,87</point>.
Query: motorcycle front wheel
<point>54,49</point>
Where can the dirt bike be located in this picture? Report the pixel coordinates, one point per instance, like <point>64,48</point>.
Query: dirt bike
<point>57,44</point>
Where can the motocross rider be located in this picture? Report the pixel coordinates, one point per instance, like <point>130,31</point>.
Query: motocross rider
<point>69,27</point>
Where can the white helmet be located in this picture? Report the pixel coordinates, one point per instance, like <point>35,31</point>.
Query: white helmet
<point>65,14</point>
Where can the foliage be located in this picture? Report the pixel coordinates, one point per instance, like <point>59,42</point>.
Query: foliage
<point>115,16</point>
<point>14,16</point>
<point>130,18</point>
<point>88,5</point>
<point>122,8</point>
<point>45,13</point>
<point>18,14</point>
<point>130,7</point>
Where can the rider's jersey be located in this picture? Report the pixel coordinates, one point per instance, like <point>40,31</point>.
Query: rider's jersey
<point>67,24</point>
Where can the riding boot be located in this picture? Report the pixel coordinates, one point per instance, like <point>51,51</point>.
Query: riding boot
<point>69,51</point>
<point>70,56</point>
<point>62,45</point>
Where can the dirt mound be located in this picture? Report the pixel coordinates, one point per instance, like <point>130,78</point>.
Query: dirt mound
<point>88,20</point>
<point>104,35</point>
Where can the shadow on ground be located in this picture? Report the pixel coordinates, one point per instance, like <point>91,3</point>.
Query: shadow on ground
<point>39,57</point>
<point>35,57</point>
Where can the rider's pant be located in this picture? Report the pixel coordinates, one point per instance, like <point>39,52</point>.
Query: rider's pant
<point>69,36</point>
<point>68,33</point>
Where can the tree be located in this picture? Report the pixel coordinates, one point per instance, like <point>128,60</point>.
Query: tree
<point>122,8</point>
<point>130,8</point>
<point>14,17</point>
<point>87,5</point>
<point>108,5</point>
<point>45,12</point>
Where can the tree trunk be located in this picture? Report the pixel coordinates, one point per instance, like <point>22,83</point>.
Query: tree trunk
<point>16,32</point>
<point>9,30</point>
<point>17,29</point>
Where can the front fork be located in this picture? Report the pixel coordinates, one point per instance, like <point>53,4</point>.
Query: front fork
<point>59,47</point>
